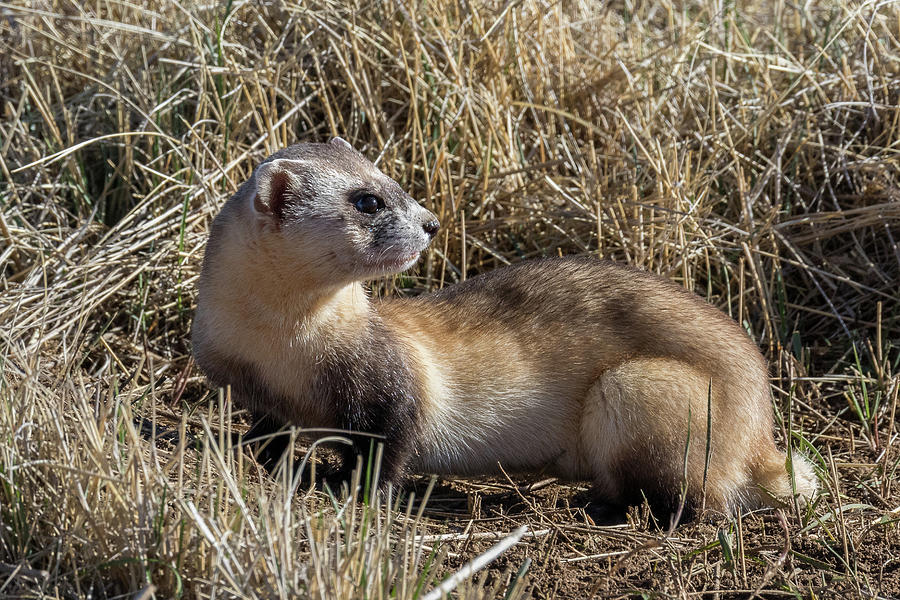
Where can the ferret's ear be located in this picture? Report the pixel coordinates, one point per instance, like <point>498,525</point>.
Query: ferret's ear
<point>341,143</point>
<point>272,187</point>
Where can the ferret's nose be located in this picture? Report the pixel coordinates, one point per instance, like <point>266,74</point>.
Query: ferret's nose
<point>431,227</point>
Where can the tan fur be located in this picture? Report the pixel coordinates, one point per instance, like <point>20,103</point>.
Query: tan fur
<point>579,367</point>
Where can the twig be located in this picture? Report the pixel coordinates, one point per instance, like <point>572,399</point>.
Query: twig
<point>472,567</point>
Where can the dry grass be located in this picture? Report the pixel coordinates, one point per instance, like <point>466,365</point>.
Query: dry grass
<point>750,151</point>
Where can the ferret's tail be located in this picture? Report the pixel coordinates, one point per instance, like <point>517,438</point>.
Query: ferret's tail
<point>773,481</point>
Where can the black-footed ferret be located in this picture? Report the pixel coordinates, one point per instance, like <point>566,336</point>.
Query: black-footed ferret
<point>576,367</point>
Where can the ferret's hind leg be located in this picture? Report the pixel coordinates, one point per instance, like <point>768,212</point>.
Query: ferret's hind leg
<point>636,442</point>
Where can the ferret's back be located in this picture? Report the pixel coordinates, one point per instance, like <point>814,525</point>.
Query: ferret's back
<point>583,297</point>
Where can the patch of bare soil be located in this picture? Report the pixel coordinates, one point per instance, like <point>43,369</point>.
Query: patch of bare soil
<point>769,554</point>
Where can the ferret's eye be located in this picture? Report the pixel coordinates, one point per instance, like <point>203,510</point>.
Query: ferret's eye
<point>368,204</point>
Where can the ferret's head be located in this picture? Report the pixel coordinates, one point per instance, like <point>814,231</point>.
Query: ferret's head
<point>331,215</point>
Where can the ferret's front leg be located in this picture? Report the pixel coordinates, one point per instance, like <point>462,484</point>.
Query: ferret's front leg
<point>268,440</point>
<point>388,422</point>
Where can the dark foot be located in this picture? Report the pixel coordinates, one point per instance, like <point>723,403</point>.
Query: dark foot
<point>606,514</point>
<point>268,442</point>
<point>335,477</point>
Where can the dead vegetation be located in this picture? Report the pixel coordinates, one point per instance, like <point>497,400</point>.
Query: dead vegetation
<point>747,150</point>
